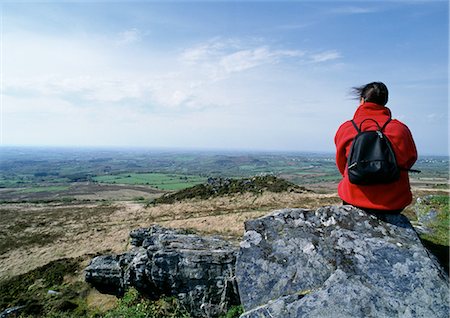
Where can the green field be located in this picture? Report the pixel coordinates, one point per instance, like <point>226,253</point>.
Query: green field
<point>163,181</point>
<point>42,171</point>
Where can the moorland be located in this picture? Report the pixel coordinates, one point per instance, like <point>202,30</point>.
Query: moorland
<point>63,206</point>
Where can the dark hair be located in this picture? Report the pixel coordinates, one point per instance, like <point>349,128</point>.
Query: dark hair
<point>375,92</point>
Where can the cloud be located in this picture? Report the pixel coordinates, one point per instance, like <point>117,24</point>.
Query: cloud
<point>325,56</point>
<point>294,26</point>
<point>87,88</point>
<point>246,59</point>
<point>213,48</point>
<point>221,58</point>
<point>353,10</point>
<point>189,80</point>
<point>434,117</point>
<point>193,96</point>
<point>128,37</point>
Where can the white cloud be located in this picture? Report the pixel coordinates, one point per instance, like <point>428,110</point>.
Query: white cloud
<point>219,58</point>
<point>211,49</point>
<point>353,10</point>
<point>88,94</point>
<point>325,56</point>
<point>246,54</point>
<point>434,117</point>
<point>34,106</point>
<point>128,37</point>
<point>175,82</point>
<point>89,88</point>
<point>246,59</point>
<point>198,78</point>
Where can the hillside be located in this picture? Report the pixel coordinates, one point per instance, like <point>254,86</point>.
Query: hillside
<point>34,234</point>
<point>216,187</point>
<point>38,234</point>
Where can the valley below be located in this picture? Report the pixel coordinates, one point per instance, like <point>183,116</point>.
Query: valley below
<point>76,206</point>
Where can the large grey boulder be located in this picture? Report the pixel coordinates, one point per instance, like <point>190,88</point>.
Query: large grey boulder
<point>337,262</point>
<point>199,271</point>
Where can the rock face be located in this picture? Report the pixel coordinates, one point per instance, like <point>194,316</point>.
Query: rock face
<point>337,262</point>
<point>200,271</point>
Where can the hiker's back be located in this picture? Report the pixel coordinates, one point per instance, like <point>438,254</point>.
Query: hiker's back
<point>393,195</point>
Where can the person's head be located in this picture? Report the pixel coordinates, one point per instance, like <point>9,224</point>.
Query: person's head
<point>375,92</point>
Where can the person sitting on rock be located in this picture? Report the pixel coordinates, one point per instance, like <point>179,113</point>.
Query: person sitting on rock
<point>390,197</point>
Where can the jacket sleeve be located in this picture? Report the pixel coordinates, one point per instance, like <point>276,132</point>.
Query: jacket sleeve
<point>342,141</point>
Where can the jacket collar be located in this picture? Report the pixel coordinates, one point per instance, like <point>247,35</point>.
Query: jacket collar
<point>371,109</point>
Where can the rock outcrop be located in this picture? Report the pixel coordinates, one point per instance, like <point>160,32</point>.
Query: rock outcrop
<point>337,262</point>
<point>199,271</point>
<point>215,187</point>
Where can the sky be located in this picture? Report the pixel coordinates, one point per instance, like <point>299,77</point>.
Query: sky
<point>234,75</point>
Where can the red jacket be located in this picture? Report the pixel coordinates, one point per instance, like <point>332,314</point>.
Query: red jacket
<point>391,196</point>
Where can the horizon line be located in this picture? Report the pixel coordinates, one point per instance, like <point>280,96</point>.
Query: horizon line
<point>187,149</point>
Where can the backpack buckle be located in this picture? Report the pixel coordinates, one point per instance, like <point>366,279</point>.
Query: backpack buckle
<point>379,134</point>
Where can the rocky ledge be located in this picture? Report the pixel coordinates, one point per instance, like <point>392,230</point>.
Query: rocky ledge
<point>199,271</point>
<point>336,261</point>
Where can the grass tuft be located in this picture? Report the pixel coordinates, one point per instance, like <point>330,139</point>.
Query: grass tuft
<point>133,305</point>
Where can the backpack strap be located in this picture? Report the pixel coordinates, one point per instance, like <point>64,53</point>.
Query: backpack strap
<point>356,127</point>
<point>360,125</point>
<point>388,121</point>
<point>359,129</point>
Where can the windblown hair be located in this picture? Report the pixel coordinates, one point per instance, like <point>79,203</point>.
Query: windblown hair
<point>375,92</point>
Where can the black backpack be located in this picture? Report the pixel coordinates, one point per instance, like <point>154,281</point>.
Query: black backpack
<point>372,159</point>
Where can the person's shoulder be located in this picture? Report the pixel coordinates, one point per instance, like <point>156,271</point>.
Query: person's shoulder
<point>398,123</point>
<point>346,124</point>
<point>345,129</point>
<point>398,127</point>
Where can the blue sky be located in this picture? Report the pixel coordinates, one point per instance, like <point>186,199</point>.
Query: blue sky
<point>242,75</point>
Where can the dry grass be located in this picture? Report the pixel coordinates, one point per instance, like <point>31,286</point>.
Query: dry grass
<point>226,215</point>
<point>33,235</point>
<point>74,231</point>
<point>36,234</point>
<point>100,302</point>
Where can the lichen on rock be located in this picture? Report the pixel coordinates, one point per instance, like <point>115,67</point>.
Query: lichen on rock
<point>338,262</point>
